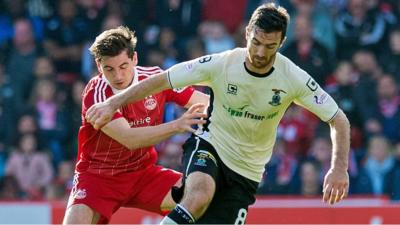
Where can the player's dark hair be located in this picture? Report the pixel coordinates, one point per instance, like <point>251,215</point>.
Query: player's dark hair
<point>270,18</point>
<point>114,41</point>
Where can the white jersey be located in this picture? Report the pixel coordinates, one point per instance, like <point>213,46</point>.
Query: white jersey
<point>246,108</point>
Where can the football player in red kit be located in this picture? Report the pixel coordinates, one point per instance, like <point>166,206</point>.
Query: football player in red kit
<point>116,165</point>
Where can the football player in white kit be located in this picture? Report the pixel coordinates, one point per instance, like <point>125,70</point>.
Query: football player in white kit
<point>251,89</point>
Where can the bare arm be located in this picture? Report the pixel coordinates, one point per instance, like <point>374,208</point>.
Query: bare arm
<point>340,136</point>
<point>149,86</point>
<point>134,138</point>
<point>336,182</point>
<point>101,113</point>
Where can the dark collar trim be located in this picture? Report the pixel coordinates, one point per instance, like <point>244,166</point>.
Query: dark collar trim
<point>254,74</point>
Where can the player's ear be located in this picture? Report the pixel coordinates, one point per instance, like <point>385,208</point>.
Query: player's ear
<point>282,42</point>
<point>135,58</point>
<point>99,68</point>
<point>247,33</point>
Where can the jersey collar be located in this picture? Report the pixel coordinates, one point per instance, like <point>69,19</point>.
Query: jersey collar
<point>254,74</point>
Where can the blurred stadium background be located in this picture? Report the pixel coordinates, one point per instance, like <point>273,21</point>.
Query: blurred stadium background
<point>351,47</point>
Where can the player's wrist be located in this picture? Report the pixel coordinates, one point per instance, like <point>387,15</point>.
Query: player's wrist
<point>174,126</point>
<point>113,103</point>
<point>341,169</point>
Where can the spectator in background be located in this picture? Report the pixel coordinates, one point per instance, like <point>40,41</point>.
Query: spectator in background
<point>342,90</point>
<point>9,188</point>
<point>93,12</point>
<point>40,8</point>
<point>334,6</point>
<point>387,108</point>
<point>3,159</point>
<point>62,184</point>
<point>168,46</point>
<point>320,151</point>
<point>296,131</point>
<point>310,183</point>
<point>182,16</point>
<point>43,68</point>
<point>215,37</point>
<point>369,72</point>
<point>52,123</point>
<point>21,59</point>
<point>322,31</point>
<point>390,60</point>
<point>32,169</point>
<point>307,52</point>
<point>280,173</point>
<point>232,16</point>
<point>170,156</point>
<point>65,34</point>
<point>194,48</point>
<point>10,104</point>
<point>74,118</point>
<point>359,27</point>
<point>27,124</point>
<point>392,180</point>
<point>16,10</point>
<point>378,164</point>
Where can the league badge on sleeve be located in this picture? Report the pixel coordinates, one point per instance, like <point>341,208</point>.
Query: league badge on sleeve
<point>312,85</point>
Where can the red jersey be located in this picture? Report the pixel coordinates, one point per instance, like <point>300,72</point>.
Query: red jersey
<point>99,153</point>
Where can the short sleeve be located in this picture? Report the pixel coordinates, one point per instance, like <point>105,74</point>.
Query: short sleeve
<point>194,72</point>
<point>180,96</point>
<point>312,97</point>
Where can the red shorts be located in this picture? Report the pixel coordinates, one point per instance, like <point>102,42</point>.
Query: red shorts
<point>143,189</point>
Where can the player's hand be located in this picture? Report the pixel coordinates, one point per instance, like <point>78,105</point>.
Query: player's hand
<point>336,186</point>
<point>191,117</point>
<point>99,114</point>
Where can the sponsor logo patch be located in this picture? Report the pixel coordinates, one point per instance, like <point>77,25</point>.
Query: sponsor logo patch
<point>232,89</point>
<point>321,99</point>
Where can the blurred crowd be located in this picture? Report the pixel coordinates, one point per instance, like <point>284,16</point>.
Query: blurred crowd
<point>350,47</point>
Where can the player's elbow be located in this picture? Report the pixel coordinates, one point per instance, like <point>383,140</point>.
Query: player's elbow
<point>134,144</point>
<point>127,141</point>
<point>340,120</point>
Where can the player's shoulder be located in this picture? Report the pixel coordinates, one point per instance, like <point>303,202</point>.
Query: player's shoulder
<point>232,53</point>
<point>287,67</point>
<point>144,72</point>
<point>97,85</point>
<point>228,56</point>
<point>151,70</point>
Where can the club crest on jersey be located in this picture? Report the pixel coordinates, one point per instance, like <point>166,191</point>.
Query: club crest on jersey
<point>80,194</point>
<point>276,98</point>
<point>150,103</point>
<point>202,158</point>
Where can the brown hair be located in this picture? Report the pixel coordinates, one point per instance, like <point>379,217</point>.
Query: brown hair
<point>113,41</point>
<point>270,18</point>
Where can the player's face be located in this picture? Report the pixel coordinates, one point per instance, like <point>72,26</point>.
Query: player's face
<point>119,70</point>
<point>262,48</point>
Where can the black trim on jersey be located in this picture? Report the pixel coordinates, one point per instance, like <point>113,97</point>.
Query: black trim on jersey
<point>209,111</point>
<point>169,80</point>
<point>254,74</point>
<point>334,115</point>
